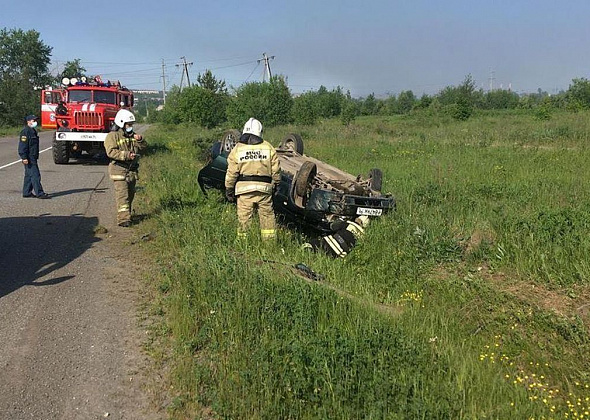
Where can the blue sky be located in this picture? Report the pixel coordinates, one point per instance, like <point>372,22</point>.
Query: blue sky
<point>366,46</point>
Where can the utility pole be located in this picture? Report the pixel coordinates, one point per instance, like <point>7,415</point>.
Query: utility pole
<point>184,65</point>
<point>266,60</point>
<point>164,81</point>
<point>492,78</point>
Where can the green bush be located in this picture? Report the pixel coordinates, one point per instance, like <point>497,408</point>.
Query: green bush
<point>304,109</point>
<point>543,112</point>
<point>369,105</point>
<point>328,104</point>
<point>270,103</point>
<point>202,106</point>
<point>579,91</point>
<point>462,110</point>
<point>349,112</point>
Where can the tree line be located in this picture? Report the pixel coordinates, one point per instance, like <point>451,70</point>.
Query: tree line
<point>209,103</point>
<point>24,69</point>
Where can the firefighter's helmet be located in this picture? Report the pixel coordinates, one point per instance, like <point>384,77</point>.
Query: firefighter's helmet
<point>253,126</point>
<point>124,116</point>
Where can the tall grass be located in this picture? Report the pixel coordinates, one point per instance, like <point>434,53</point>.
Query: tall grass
<point>10,132</point>
<point>464,303</point>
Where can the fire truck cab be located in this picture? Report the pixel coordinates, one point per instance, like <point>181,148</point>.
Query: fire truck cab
<point>82,113</point>
<point>49,101</point>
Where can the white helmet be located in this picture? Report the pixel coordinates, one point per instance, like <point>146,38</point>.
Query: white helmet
<point>124,116</point>
<point>253,126</point>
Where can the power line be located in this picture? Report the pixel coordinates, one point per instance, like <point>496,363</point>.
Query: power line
<point>119,73</point>
<point>226,67</point>
<point>257,64</point>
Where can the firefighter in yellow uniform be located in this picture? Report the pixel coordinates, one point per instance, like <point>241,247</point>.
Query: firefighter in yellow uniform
<point>253,173</point>
<point>123,147</point>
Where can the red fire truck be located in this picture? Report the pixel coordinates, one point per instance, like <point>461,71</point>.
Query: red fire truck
<point>82,112</point>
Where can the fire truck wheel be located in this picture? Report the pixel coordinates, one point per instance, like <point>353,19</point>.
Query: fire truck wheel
<point>61,152</point>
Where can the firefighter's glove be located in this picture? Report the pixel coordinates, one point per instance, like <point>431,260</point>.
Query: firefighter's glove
<point>230,194</point>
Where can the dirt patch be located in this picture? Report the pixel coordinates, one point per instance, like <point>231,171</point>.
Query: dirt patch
<point>153,358</point>
<point>479,236</point>
<point>567,303</point>
<point>571,302</point>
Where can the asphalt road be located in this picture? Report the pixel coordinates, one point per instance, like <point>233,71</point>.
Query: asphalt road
<point>70,338</point>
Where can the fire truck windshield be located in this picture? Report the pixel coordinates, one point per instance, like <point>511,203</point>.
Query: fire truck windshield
<point>100,96</point>
<point>80,96</point>
<point>103,97</point>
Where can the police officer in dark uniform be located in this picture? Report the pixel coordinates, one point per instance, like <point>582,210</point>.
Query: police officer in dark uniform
<point>28,150</point>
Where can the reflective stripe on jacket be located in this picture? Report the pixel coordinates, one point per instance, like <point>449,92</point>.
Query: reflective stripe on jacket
<point>252,160</point>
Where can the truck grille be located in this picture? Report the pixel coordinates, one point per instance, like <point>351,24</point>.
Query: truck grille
<point>88,120</point>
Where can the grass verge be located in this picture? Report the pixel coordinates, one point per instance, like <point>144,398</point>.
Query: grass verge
<point>468,302</point>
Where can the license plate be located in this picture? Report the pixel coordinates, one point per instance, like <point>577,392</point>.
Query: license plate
<point>363,211</point>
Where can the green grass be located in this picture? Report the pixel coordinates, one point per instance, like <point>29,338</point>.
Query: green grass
<point>10,131</point>
<point>14,131</point>
<point>466,303</point>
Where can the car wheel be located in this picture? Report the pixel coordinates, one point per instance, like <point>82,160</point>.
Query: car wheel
<point>304,178</point>
<point>229,140</point>
<point>376,179</point>
<point>293,142</point>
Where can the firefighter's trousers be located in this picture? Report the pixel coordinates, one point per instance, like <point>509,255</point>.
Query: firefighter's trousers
<point>124,183</point>
<point>124,194</point>
<point>261,201</point>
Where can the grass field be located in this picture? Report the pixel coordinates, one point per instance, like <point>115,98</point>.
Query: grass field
<point>14,132</point>
<point>10,131</point>
<point>470,301</point>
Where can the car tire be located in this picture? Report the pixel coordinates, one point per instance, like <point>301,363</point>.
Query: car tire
<point>229,140</point>
<point>304,178</point>
<point>376,179</point>
<point>293,142</point>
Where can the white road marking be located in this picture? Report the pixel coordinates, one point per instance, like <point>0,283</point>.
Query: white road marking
<point>19,161</point>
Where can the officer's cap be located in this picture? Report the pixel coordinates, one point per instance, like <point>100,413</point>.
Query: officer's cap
<point>31,117</point>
